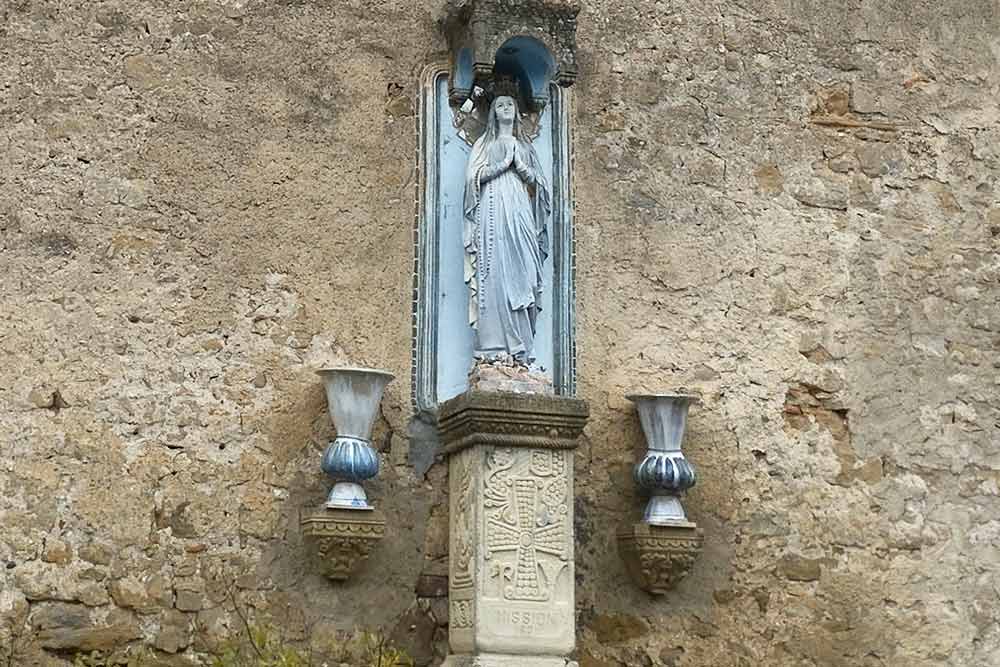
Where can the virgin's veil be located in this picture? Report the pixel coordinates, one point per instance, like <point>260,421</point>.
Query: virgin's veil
<point>541,202</point>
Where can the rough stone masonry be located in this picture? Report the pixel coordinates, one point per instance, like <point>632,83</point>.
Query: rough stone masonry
<point>201,201</point>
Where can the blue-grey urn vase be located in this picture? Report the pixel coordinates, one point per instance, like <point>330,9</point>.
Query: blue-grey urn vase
<point>664,472</point>
<point>352,397</point>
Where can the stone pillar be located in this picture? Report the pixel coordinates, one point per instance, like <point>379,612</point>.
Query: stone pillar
<point>511,576</point>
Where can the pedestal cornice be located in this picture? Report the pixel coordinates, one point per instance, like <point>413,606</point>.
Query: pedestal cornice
<point>511,420</point>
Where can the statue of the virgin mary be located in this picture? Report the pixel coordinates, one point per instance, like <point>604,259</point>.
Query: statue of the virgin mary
<point>507,205</point>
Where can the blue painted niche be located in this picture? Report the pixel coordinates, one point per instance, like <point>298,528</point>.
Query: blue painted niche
<point>442,334</point>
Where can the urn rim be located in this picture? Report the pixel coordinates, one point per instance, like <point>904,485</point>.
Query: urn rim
<point>355,370</point>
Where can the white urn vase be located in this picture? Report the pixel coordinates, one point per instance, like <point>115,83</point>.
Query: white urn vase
<point>663,471</point>
<point>352,396</point>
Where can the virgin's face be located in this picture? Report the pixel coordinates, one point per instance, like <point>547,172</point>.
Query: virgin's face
<point>505,108</point>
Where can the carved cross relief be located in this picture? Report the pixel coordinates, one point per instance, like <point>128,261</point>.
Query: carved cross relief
<point>526,517</point>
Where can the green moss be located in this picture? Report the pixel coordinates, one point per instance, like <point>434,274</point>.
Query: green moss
<point>262,648</point>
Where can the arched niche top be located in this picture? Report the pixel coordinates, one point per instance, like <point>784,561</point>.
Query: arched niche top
<point>529,62</point>
<point>532,41</point>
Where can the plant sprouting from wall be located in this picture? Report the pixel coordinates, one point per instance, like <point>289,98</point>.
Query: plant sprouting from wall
<point>262,647</point>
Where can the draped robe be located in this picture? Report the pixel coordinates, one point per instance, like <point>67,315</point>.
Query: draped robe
<point>507,204</point>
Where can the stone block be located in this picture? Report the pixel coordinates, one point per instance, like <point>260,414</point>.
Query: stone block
<point>617,628</point>
<point>131,594</point>
<point>160,591</point>
<point>38,580</point>
<point>101,638</point>
<point>175,632</point>
<point>508,377</point>
<point>52,615</point>
<point>211,629</point>
<point>189,600</point>
<point>798,568</point>
<point>432,586</point>
<point>57,551</point>
<point>414,633</point>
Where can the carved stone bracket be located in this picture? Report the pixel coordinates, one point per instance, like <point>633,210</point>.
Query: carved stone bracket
<point>657,557</point>
<point>532,42</point>
<point>342,539</point>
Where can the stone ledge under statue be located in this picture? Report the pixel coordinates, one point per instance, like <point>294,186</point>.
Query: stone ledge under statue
<point>507,375</point>
<point>511,576</point>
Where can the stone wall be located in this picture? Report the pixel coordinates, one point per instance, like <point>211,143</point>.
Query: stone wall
<point>790,206</point>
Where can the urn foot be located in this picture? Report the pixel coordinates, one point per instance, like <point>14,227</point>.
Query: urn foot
<point>347,496</point>
<point>664,510</point>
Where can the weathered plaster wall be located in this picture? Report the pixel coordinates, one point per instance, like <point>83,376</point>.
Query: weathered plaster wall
<point>789,206</point>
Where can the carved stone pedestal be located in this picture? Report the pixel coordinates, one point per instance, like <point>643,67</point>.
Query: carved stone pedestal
<point>342,539</point>
<point>511,537</point>
<point>657,557</point>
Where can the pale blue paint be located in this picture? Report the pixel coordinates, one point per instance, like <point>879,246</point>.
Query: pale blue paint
<point>454,335</point>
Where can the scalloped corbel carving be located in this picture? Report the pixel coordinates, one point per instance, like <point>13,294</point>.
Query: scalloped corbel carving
<point>342,539</point>
<point>658,557</point>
